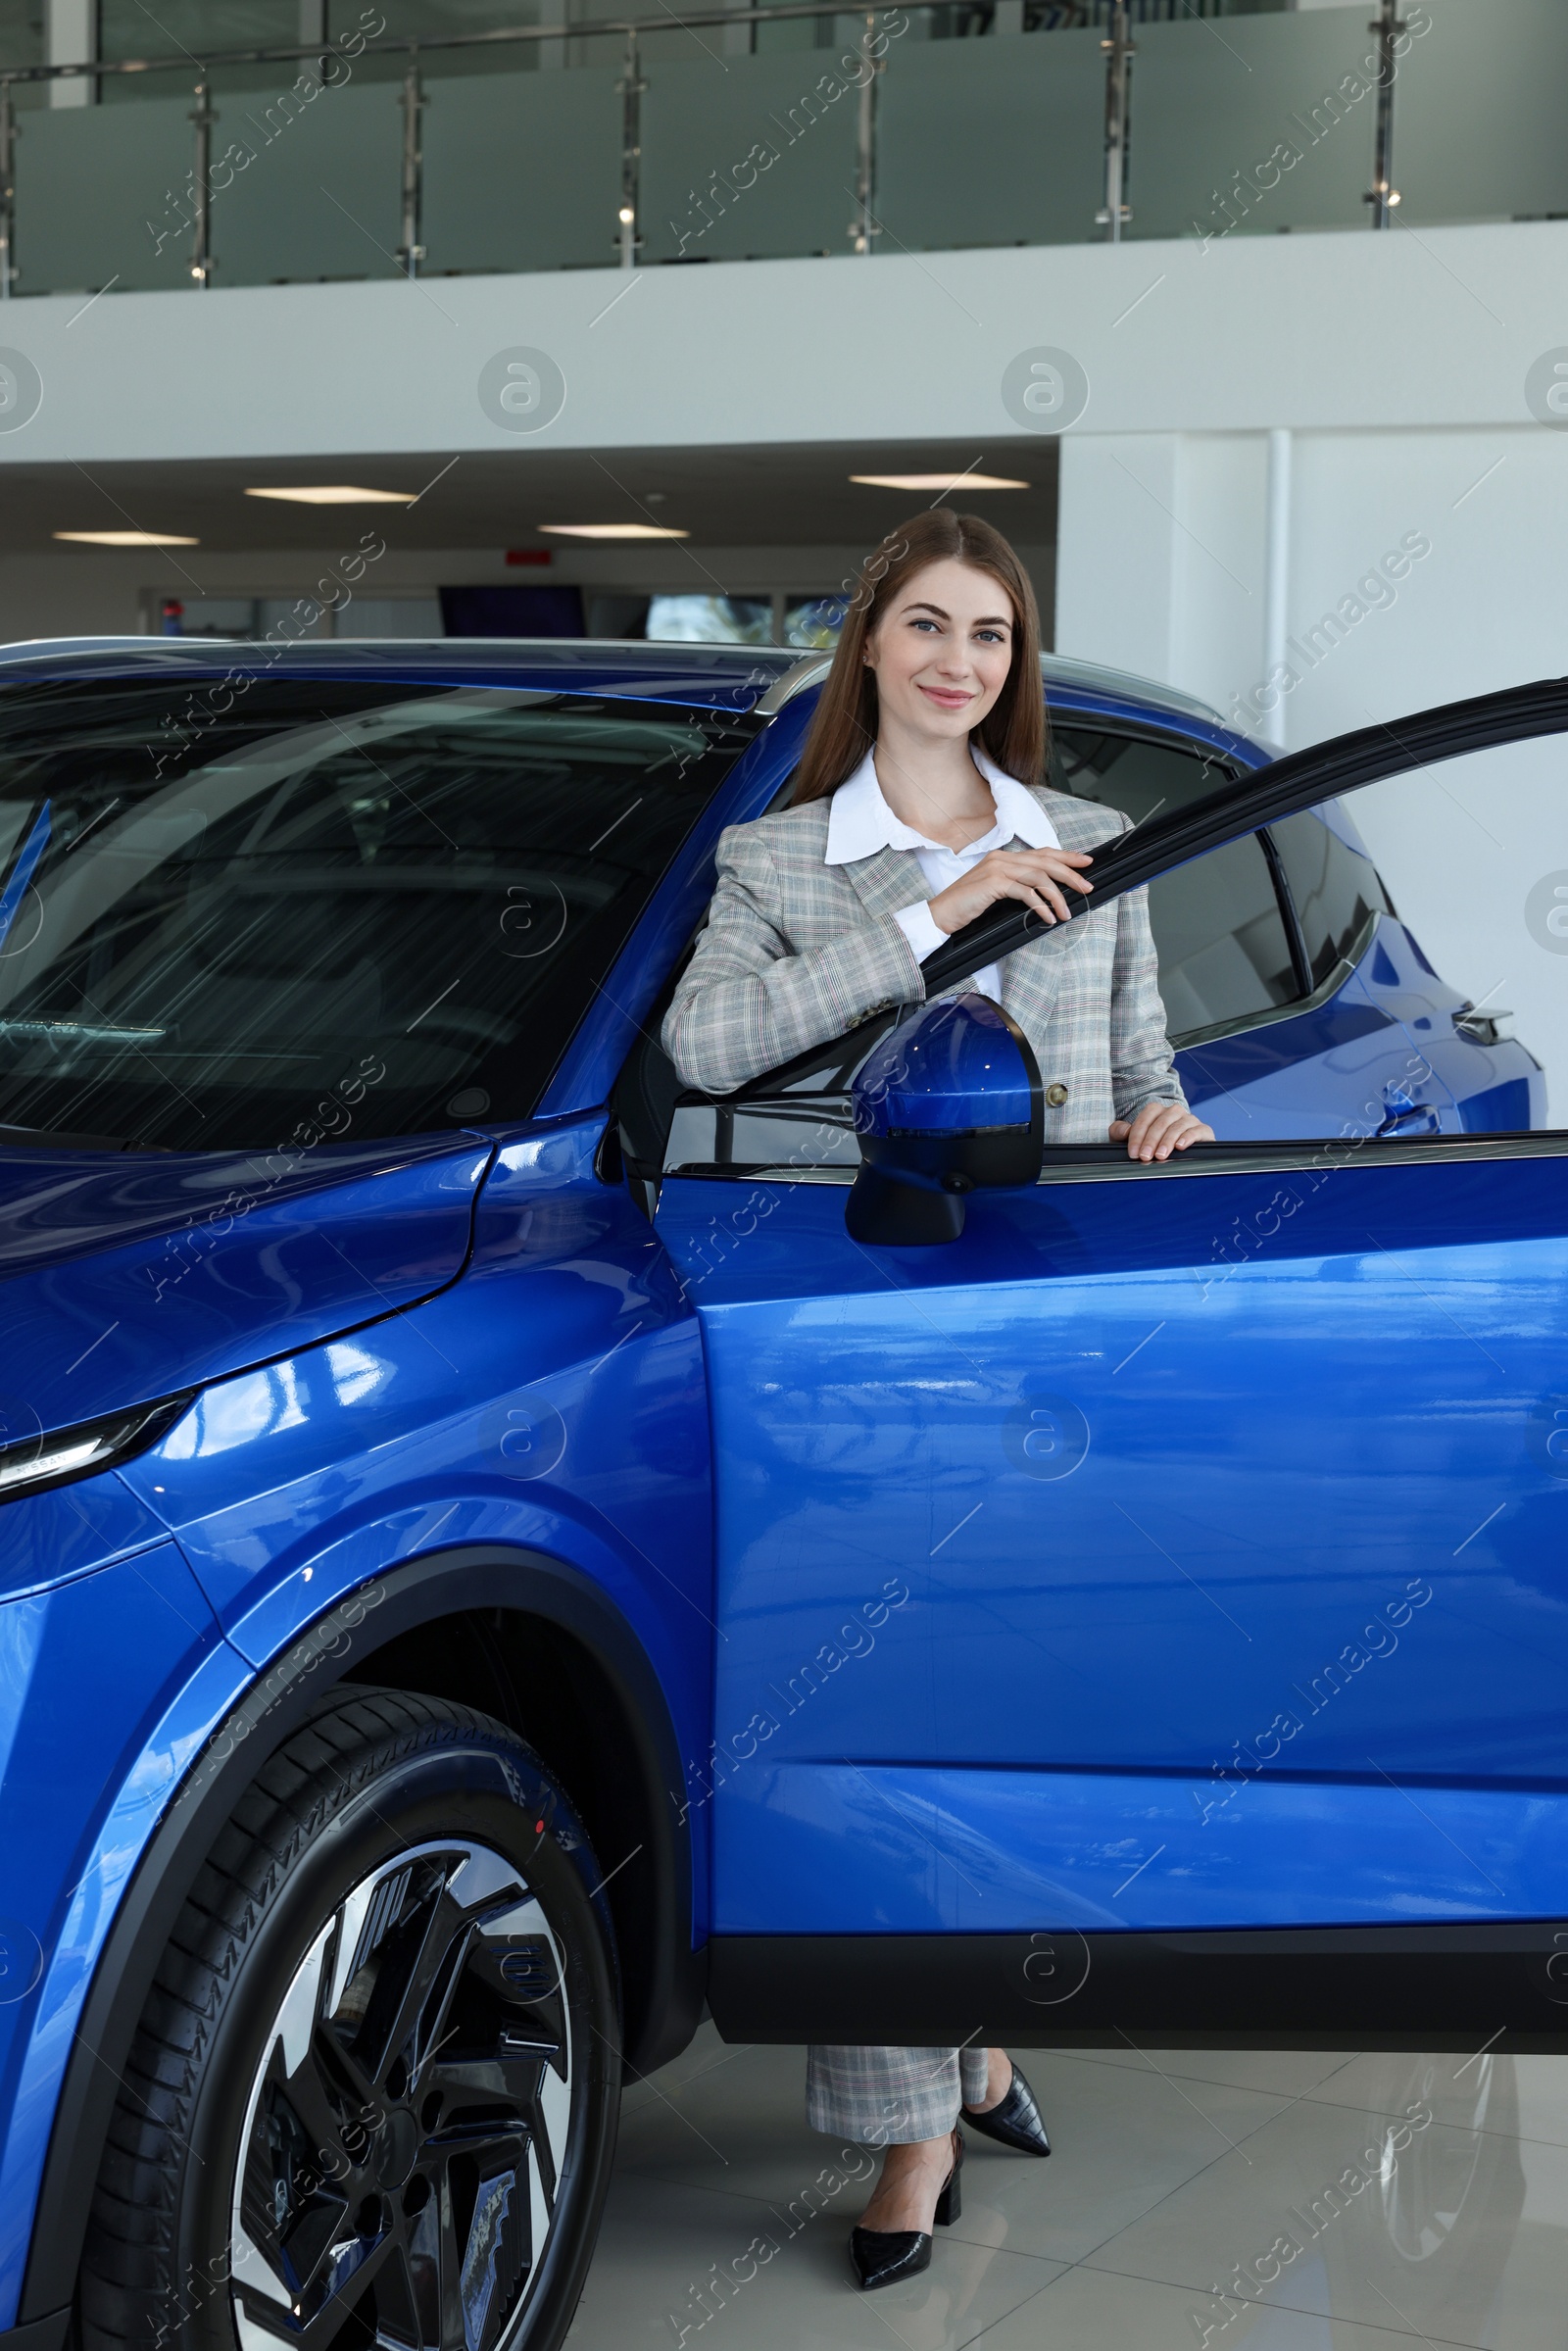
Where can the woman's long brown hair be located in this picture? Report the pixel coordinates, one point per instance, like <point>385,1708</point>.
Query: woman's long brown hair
<point>844,724</point>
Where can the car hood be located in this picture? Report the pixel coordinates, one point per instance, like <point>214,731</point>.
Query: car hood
<point>128,1278</point>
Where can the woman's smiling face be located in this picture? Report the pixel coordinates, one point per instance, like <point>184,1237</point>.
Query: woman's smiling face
<point>942,649</point>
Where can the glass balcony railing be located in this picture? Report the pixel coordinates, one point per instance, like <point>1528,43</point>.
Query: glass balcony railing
<point>457,144</point>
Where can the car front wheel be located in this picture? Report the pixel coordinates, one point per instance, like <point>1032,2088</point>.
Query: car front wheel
<point>373,2095</point>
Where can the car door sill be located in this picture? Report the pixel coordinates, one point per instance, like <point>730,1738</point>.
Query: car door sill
<point>1452,1985</point>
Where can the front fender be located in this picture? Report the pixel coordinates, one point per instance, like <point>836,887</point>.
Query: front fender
<point>112,1683</point>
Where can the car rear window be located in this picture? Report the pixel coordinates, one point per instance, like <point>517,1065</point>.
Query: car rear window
<point>322,908</point>
<point>1130,773</point>
<point>1337,890</point>
<point>1224,952</point>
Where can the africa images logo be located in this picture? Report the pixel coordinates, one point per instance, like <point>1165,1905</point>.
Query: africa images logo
<point>521,390</point>
<point>1546,913</point>
<point>1046,1436</point>
<point>20,390</point>
<point>1547,389</point>
<point>1044,390</point>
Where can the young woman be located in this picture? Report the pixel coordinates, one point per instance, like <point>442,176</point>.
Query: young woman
<point>920,802</point>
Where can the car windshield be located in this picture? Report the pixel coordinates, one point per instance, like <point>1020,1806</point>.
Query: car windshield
<point>330,908</point>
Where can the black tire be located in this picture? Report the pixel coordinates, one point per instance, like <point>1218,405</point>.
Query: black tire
<point>348,2049</point>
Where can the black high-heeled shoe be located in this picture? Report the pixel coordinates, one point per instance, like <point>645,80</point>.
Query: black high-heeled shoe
<point>1014,2121</point>
<point>887,2256</point>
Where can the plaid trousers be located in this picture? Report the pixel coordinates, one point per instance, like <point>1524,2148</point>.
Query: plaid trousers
<point>891,2097</point>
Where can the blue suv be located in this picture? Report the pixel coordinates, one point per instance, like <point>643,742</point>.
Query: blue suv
<point>498,1550</point>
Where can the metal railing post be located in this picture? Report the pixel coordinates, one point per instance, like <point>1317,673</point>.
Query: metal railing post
<point>8,191</point>
<point>631,86</point>
<point>1115,212</point>
<point>1383,195</point>
<point>204,117</point>
<point>410,253</point>
<point>864,227</point>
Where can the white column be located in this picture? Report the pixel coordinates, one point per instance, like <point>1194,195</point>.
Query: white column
<point>1277,571</point>
<point>71,39</point>
<point>312,27</point>
<point>1161,540</point>
<point>1117,551</point>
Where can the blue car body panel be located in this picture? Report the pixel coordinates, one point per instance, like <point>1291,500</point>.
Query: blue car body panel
<point>113,1680</point>
<point>959,1684</point>
<point>555,1399</point>
<point>991,1853</point>
<point>1151,1486</point>
<point>223,1263</point>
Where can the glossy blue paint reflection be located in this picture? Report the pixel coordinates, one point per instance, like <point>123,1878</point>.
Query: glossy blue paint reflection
<point>134,1280</point>
<point>987,1852</point>
<point>111,1684</point>
<point>1155,1460</point>
<point>69,1530</point>
<point>554,1400</point>
<point>953,1066</point>
<point>1383,1047</point>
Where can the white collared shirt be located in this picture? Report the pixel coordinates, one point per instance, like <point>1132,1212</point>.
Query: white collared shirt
<point>860,822</point>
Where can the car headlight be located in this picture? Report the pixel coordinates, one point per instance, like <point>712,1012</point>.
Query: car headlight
<point>29,1464</point>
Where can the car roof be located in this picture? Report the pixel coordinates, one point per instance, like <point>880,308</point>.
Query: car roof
<point>737,677</point>
<point>726,676</point>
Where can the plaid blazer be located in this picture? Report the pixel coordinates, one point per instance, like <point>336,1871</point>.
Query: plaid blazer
<point>795,951</point>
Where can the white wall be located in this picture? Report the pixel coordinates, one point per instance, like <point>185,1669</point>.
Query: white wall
<point>1162,550</point>
<point>1175,589</point>
<point>1338,330</point>
<point>1466,847</point>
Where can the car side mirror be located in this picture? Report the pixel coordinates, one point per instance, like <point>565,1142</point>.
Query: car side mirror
<point>949,1101</point>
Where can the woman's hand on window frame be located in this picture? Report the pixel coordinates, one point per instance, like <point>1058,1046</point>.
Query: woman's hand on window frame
<point>1036,877</point>
<point>1159,1129</point>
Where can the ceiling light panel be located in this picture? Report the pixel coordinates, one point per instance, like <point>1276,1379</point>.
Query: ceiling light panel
<point>939,481</point>
<point>339,493</point>
<point>126,538</point>
<point>611,530</point>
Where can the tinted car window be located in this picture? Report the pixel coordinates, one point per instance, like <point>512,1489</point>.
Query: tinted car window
<point>328,908</point>
<point>1128,773</point>
<point>1336,890</point>
<point>1224,953</point>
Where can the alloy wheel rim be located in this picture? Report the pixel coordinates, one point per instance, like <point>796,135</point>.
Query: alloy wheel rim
<point>408,2124</point>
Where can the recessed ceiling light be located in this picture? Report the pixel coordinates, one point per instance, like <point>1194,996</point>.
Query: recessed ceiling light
<point>339,493</point>
<point>126,538</point>
<point>611,530</point>
<point>938,481</point>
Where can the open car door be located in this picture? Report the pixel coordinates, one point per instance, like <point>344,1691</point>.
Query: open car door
<point>1153,1603</point>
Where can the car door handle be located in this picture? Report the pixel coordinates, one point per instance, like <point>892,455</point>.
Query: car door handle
<point>1398,1112</point>
<point>1480,1027</point>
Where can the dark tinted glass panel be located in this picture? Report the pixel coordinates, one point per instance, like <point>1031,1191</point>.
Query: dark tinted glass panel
<point>1224,953</point>
<point>554,611</point>
<point>1336,890</point>
<point>1123,772</point>
<point>323,909</point>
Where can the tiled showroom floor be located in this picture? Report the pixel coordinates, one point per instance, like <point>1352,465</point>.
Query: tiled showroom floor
<point>1172,2169</point>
